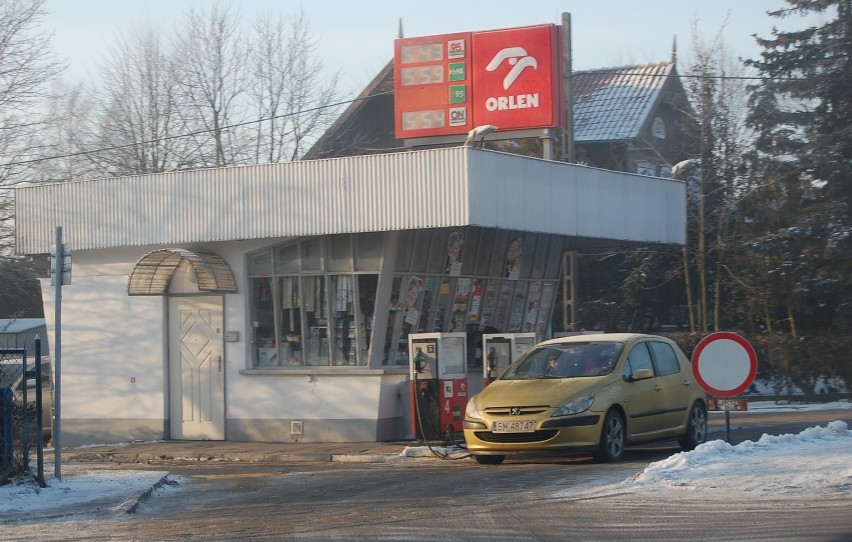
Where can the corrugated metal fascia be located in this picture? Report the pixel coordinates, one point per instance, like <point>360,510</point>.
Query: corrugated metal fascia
<point>568,199</point>
<point>418,189</point>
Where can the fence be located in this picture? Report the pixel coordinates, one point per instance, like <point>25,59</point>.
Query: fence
<point>22,427</point>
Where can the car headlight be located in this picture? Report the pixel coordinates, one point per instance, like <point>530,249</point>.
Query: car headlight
<point>471,411</point>
<point>576,406</point>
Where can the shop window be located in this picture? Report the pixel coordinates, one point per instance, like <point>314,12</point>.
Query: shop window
<point>260,263</point>
<point>263,322</point>
<point>470,249</point>
<point>540,256</point>
<point>290,332</point>
<point>455,253</point>
<point>340,253</point>
<point>421,251</point>
<point>368,251</point>
<point>437,252</point>
<point>514,256</point>
<point>443,310</point>
<point>427,306</point>
<point>287,259</point>
<point>316,321</point>
<point>489,303</point>
<point>554,257</point>
<point>485,253</point>
<point>312,254</point>
<point>368,286</point>
<point>344,339</point>
<point>404,248</point>
<point>498,254</point>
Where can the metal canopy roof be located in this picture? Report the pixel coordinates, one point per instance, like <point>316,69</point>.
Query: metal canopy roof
<point>435,188</point>
<point>153,272</point>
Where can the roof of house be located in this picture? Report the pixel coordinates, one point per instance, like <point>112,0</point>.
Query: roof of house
<point>613,104</point>
<point>610,104</point>
<point>20,325</point>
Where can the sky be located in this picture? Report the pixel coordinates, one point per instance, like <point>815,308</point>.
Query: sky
<point>355,37</point>
<point>771,467</point>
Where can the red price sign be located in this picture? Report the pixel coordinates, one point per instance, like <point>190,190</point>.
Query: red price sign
<point>724,364</point>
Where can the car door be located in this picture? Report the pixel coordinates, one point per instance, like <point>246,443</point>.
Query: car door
<point>642,399</point>
<point>676,385</point>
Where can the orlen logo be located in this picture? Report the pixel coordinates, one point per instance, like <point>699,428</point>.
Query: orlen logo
<point>516,57</point>
<point>519,60</point>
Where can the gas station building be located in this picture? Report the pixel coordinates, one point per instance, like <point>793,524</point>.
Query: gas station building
<point>274,302</point>
<point>286,301</point>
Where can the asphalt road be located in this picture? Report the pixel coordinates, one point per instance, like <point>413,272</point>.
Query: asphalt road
<point>523,499</point>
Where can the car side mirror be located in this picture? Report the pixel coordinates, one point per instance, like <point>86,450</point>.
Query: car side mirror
<point>641,374</point>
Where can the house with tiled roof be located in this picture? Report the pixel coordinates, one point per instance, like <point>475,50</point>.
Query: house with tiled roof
<point>630,118</point>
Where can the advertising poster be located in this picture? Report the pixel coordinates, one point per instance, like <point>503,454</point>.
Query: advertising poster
<point>513,258</point>
<point>454,248</point>
<point>415,286</point>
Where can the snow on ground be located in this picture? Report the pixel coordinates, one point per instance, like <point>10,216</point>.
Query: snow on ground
<point>817,461</point>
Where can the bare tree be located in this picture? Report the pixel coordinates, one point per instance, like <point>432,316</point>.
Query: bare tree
<point>26,66</point>
<point>138,118</point>
<point>291,100</point>
<point>211,81</point>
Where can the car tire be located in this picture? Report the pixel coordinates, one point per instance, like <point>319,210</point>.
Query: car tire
<point>613,437</point>
<point>489,459</point>
<point>696,428</point>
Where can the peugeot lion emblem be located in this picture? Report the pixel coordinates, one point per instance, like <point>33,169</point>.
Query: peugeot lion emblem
<point>516,411</point>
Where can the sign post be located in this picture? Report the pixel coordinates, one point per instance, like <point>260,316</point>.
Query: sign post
<point>724,365</point>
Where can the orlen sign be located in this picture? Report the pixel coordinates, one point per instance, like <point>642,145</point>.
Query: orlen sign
<point>450,83</point>
<point>517,78</point>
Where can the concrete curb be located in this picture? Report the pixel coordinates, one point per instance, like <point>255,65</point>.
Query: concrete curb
<point>130,506</point>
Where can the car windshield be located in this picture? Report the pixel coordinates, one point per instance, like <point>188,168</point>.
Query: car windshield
<point>568,360</point>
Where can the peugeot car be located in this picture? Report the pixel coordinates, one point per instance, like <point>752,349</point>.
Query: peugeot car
<point>588,393</point>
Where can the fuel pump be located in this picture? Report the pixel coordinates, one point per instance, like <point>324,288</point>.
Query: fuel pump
<point>438,383</point>
<point>501,350</point>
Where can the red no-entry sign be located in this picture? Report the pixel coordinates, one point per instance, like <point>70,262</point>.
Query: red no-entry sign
<point>724,364</point>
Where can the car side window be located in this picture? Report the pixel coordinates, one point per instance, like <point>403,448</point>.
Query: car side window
<point>639,358</point>
<point>665,358</point>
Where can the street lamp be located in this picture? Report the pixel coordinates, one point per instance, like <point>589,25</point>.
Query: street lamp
<point>479,132</point>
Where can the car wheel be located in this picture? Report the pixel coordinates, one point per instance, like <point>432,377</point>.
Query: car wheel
<point>696,427</point>
<point>611,447</point>
<point>489,459</point>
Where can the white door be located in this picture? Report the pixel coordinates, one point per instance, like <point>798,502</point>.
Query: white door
<point>196,368</point>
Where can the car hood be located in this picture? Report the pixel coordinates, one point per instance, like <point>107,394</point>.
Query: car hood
<point>545,391</point>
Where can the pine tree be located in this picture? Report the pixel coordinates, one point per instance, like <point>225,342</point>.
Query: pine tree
<point>798,213</point>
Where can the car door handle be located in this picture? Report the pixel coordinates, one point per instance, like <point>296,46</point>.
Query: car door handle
<point>658,387</point>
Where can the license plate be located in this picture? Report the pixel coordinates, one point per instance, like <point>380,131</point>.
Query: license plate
<point>514,426</point>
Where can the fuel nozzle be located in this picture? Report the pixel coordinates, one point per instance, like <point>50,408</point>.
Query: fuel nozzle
<point>418,360</point>
<point>492,359</point>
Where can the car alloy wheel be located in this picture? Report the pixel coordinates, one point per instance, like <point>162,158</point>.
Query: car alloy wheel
<point>696,427</point>
<point>612,438</point>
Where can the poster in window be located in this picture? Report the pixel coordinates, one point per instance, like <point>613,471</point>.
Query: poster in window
<point>415,286</point>
<point>513,258</point>
<point>454,247</point>
<point>475,302</point>
<point>533,305</point>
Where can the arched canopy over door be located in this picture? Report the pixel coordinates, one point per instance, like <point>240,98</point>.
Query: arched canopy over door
<point>153,272</point>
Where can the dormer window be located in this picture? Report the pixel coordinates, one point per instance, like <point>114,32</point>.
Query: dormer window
<point>658,128</point>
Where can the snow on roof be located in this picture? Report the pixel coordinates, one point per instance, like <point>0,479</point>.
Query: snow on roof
<point>19,325</point>
<point>612,104</point>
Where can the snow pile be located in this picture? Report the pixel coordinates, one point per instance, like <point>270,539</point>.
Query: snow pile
<point>816,461</point>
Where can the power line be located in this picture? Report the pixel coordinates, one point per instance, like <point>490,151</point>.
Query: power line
<point>191,134</point>
<point>627,71</point>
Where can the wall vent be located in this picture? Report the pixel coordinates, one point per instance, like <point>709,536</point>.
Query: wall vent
<point>295,428</point>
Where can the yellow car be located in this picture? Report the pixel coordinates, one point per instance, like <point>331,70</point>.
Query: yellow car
<point>588,393</point>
